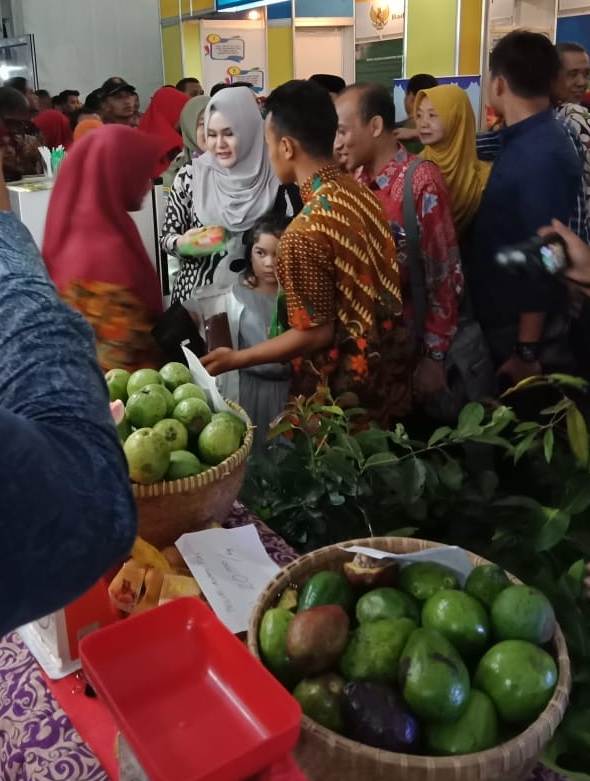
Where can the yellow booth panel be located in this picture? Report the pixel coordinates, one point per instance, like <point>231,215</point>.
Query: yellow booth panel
<point>171,49</point>
<point>470,46</point>
<point>168,9</point>
<point>191,32</point>
<point>431,32</point>
<point>280,55</point>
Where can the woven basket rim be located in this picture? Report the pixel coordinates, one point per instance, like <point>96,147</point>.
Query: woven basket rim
<point>534,737</point>
<point>214,474</point>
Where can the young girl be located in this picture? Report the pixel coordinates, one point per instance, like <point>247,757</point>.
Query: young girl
<point>263,389</point>
<point>446,125</point>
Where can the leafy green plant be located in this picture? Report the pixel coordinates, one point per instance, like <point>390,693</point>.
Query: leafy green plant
<point>515,491</point>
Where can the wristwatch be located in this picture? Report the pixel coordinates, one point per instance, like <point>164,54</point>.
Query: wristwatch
<point>436,355</point>
<point>527,351</point>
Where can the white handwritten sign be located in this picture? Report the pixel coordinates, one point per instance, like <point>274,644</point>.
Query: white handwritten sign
<point>232,567</point>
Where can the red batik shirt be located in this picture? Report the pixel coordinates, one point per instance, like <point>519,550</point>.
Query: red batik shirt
<point>438,243</point>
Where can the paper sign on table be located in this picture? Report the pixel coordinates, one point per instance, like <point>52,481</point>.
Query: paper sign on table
<point>451,556</point>
<point>232,568</point>
<point>202,377</point>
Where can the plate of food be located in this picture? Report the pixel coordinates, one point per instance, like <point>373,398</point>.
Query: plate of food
<point>203,241</point>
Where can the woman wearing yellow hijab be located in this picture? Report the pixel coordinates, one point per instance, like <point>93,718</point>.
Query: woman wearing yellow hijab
<point>446,125</point>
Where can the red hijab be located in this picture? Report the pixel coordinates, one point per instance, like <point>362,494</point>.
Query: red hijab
<point>55,127</point>
<point>89,234</point>
<point>161,120</point>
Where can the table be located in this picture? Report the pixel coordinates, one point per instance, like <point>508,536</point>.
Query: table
<point>37,739</point>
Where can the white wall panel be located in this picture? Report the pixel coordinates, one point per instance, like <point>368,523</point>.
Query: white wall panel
<point>81,42</point>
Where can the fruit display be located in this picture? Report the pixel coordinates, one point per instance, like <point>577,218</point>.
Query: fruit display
<point>169,431</point>
<point>420,665</point>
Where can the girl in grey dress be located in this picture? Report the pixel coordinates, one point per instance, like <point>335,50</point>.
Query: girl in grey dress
<point>263,389</point>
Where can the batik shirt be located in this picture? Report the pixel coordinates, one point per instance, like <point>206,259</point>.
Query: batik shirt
<point>337,264</point>
<point>438,244</point>
<point>578,118</point>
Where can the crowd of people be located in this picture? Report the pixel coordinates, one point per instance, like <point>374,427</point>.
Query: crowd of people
<point>360,252</point>
<point>459,324</point>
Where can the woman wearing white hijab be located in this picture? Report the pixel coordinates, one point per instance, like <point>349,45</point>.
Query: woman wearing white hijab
<point>230,186</point>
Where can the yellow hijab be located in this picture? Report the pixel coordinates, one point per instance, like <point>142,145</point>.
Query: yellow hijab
<point>456,154</point>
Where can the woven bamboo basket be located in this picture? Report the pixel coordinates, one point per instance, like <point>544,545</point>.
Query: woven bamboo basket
<point>169,509</point>
<point>327,756</point>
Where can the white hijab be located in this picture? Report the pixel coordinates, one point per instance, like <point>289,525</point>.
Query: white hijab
<point>236,197</point>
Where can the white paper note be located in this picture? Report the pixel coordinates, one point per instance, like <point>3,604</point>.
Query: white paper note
<point>202,377</point>
<point>451,556</point>
<point>232,568</point>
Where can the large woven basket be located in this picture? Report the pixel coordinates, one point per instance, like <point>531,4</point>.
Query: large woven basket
<point>169,509</point>
<point>326,756</point>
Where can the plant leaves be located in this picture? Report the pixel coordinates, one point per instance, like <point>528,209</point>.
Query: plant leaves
<point>502,417</point>
<point>332,410</point>
<point>568,380</point>
<point>470,419</point>
<point>412,479</point>
<point>527,426</point>
<point>380,459</point>
<point>439,435</point>
<point>553,528</point>
<point>536,379</point>
<point>561,406</point>
<point>451,475</point>
<point>525,444</point>
<point>492,439</point>
<point>548,444</point>
<point>577,433</point>
<point>373,440</point>
<point>280,428</point>
<point>577,493</point>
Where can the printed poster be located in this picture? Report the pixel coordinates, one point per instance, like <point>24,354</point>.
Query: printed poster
<point>232,52</point>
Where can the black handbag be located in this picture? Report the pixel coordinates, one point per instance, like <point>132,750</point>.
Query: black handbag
<point>175,328</point>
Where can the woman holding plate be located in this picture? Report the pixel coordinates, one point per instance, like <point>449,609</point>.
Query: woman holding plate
<point>229,187</point>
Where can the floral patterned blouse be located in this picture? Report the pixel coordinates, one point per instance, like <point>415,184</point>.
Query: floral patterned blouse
<point>122,325</point>
<point>438,244</point>
<point>337,264</point>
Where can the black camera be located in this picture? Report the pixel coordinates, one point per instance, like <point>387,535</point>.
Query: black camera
<point>536,257</point>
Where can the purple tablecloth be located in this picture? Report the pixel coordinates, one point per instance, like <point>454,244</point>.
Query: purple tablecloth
<point>37,739</point>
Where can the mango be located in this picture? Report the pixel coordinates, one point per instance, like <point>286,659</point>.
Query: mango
<point>317,637</point>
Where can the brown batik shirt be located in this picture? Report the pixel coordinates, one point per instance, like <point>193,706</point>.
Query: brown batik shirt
<point>337,264</point>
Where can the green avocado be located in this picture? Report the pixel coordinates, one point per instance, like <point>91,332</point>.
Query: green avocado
<point>476,730</point>
<point>321,699</point>
<point>272,637</point>
<point>433,678</point>
<point>326,588</point>
<point>424,578</point>
<point>386,603</point>
<point>374,649</point>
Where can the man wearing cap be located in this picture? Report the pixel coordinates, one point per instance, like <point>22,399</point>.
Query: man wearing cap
<point>117,104</point>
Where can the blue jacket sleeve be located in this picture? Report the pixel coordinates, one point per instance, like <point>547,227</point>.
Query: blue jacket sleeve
<point>67,511</point>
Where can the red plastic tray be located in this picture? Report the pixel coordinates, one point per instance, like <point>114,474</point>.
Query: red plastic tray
<point>192,702</point>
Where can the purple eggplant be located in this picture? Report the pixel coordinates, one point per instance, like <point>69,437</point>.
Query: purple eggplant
<point>376,714</point>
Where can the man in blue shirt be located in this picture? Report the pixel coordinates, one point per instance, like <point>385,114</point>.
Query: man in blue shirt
<point>67,513</point>
<point>535,178</point>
